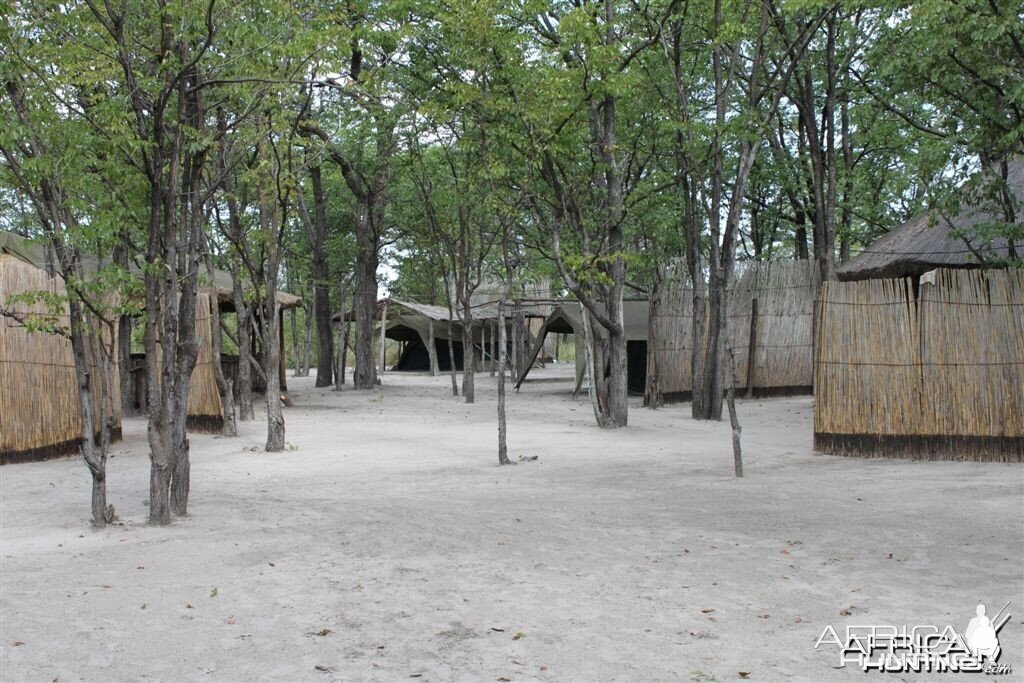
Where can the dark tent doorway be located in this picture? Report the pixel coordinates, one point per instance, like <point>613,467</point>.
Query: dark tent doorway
<point>416,359</point>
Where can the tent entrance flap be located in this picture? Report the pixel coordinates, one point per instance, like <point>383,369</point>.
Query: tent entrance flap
<point>416,359</point>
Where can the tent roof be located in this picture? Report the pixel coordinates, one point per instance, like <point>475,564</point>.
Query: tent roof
<point>401,307</point>
<point>567,318</point>
<point>924,242</point>
<point>34,253</point>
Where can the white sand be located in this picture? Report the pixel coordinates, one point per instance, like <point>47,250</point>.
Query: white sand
<point>389,528</point>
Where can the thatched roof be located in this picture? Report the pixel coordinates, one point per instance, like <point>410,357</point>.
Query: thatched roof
<point>925,242</point>
<point>35,253</point>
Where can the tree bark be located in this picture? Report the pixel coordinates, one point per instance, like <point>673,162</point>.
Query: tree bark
<point>243,316</point>
<point>227,401</point>
<point>652,388</point>
<point>365,373</point>
<point>321,283</point>
<point>468,353</point>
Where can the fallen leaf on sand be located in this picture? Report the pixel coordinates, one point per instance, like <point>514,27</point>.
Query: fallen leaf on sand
<point>499,630</point>
<point>519,635</point>
<point>231,619</point>
<point>744,674</point>
<point>18,643</point>
<point>325,669</point>
<point>503,678</point>
<point>324,632</point>
<point>707,610</point>
<point>213,593</point>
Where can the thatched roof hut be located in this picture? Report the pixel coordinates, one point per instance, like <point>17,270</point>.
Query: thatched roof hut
<point>920,362</point>
<point>930,240</point>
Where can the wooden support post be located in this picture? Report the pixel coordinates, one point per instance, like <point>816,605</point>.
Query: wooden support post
<point>484,352</point>
<point>752,349</point>
<point>383,330</point>
<point>283,363</point>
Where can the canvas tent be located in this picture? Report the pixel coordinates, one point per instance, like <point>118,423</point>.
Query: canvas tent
<point>418,326</point>
<point>567,318</point>
<point>920,351</point>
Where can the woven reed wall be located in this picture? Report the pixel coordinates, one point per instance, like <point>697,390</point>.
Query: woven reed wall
<point>785,291</point>
<point>939,375</point>
<point>671,348</point>
<point>39,410</point>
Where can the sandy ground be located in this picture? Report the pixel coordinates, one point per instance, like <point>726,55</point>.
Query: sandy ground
<point>386,544</point>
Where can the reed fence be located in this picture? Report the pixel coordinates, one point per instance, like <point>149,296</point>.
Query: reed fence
<point>770,318</point>
<point>925,370</point>
<point>40,416</point>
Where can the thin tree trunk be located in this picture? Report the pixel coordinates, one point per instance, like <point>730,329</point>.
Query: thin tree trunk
<point>451,358</point>
<point>246,411</point>
<point>227,400</point>
<point>432,349</point>
<point>271,365</point>
<point>652,388</point>
<point>468,353</point>
<point>503,458</point>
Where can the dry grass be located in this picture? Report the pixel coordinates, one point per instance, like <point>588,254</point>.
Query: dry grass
<point>205,412</point>
<point>936,376</point>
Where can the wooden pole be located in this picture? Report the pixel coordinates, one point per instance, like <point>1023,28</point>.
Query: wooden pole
<point>283,363</point>
<point>730,399</point>
<point>383,330</point>
<point>752,349</point>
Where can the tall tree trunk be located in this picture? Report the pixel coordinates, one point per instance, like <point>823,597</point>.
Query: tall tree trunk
<point>365,373</point>
<point>124,344</point>
<point>451,358</point>
<point>271,365</point>
<point>95,458</point>
<point>503,458</point>
<point>652,387</point>
<point>468,353</point>
<point>321,284</point>
<point>227,399</point>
